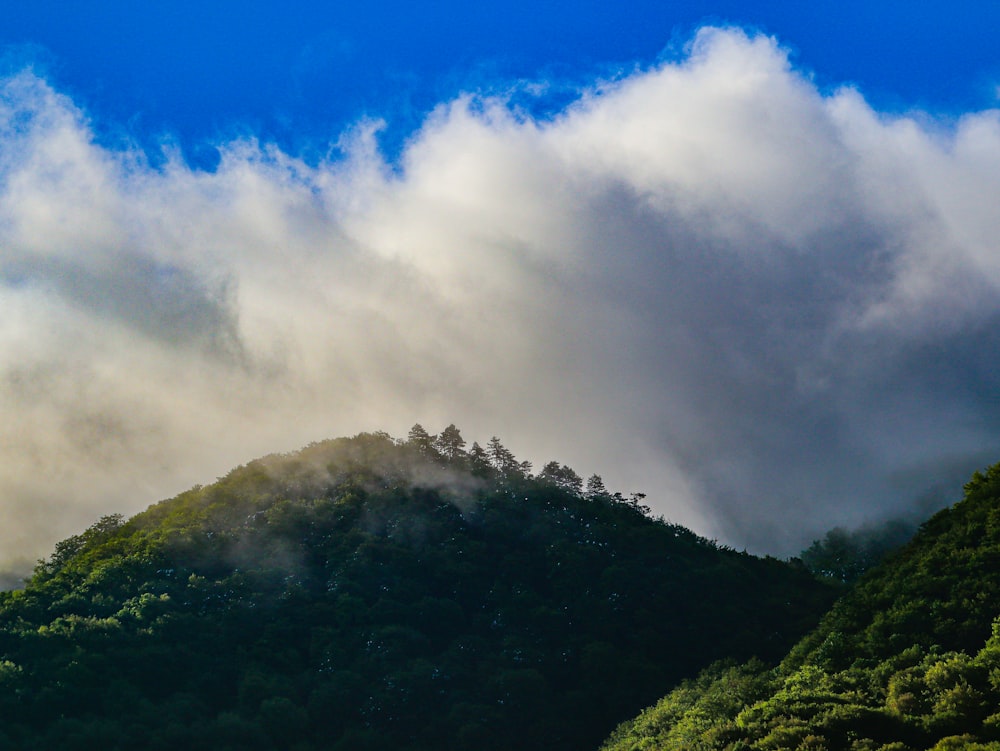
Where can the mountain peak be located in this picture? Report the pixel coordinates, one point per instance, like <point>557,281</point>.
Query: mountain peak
<point>372,593</point>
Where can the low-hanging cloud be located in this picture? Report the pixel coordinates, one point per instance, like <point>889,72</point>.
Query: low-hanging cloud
<point>771,308</point>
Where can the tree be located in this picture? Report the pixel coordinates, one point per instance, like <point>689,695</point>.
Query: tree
<point>562,477</point>
<point>571,480</point>
<point>596,488</point>
<point>501,459</point>
<point>479,462</point>
<point>94,535</point>
<point>421,439</point>
<point>845,555</point>
<point>450,443</point>
<point>635,500</point>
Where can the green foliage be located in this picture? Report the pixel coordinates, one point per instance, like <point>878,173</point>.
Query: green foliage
<point>908,659</point>
<point>366,593</point>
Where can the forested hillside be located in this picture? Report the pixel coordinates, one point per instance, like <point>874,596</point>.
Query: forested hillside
<point>908,660</point>
<point>367,593</point>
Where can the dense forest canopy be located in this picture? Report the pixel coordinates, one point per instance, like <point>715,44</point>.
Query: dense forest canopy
<point>369,593</point>
<point>907,660</point>
<point>844,555</point>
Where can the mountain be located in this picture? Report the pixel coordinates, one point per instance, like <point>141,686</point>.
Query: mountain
<point>366,593</point>
<point>908,659</point>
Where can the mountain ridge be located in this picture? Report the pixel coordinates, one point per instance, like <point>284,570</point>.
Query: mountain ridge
<point>367,593</point>
<point>908,659</point>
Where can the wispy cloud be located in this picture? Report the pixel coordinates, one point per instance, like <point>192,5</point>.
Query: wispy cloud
<point>770,308</point>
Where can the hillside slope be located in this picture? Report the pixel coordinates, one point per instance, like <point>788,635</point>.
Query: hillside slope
<point>363,594</point>
<point>909,659</point>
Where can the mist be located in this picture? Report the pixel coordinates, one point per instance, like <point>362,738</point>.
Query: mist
<point>769,307</point>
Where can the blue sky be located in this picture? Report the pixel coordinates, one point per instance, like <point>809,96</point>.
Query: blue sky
<point>743,258</point>
<point>205,72</point>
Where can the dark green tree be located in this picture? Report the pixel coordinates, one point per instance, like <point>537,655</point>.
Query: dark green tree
<point>421,439</point>
<point>596,488</point>
<point>561,476</point>
<point>479,460</point>
<point>450,443</point>
<point>500,457</point>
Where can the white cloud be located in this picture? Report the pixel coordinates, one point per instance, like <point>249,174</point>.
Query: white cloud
<point>768,308</point>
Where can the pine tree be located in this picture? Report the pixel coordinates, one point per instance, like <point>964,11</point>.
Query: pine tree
<point>595,487</point>
<point>561,476</point>
<point>500,457</point>
<point>450,443</point>
<point>421,439</point>
<point>479,462</point>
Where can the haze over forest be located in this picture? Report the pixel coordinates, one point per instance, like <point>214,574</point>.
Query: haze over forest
<point>765,303</point>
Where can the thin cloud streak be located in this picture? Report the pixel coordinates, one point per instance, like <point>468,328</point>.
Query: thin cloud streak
<point>770,308</point>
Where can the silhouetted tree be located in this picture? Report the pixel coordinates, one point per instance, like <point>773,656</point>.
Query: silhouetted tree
<point>561,476</point>
<point>450,443</point>
<point>421,439</point>
<point>595,487</point>
<point>501,459</point>
<point>635,500</point>
<point>479,462</point>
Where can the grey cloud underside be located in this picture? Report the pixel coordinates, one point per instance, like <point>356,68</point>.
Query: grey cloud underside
<point>163,303</point>
<point>772,310</point>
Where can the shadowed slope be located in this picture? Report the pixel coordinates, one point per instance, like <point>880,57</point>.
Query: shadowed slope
<point>366,594</point>
<point>909,659</point>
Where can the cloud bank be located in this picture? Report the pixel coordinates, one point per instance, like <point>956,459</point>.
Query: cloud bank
<point>771,308</point>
